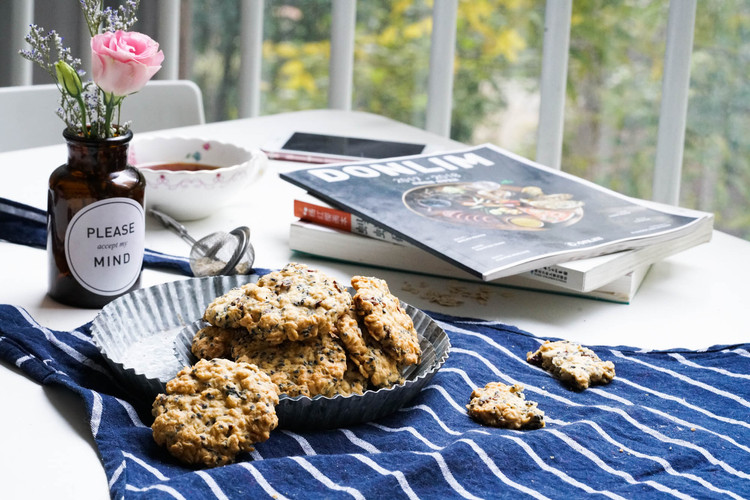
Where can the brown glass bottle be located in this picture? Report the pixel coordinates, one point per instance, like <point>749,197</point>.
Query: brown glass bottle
<point>96,222</point>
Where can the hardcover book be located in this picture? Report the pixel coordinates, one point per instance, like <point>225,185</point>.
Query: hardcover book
<point>582,275</point>
<point>492,213</point>
<point>323,241</point>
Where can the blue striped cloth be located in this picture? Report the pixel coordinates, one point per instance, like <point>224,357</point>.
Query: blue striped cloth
<point>672,424</point>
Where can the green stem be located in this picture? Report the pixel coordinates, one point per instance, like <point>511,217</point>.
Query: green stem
<point>109,105</point>
<point>84,130</point>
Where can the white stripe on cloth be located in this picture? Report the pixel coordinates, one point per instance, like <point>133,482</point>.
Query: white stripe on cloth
<point>116,474</point>
<point>82,337</point>
<point>486,339</point>
<point>496,471</point>
<point>447,475</point>
<point>460,372</point>
<point>687,362</point>
<point>96,412</point>
<point>368,447</point>
<point>215,489</point>
<point>664,463</point>
<point>131,413</point>
<point>22,360</point>
<point>153,470</point>
<point>304,444</point>
<point>546,467</point>
<point>160,487</point>
<point>699,427</point>
<point>434,415</point>
<point>687,380</point>
<point>603,466</point>
<point>410,430</point>
<point>608,395</point>
<point>262,482</point>
<point>677,442</point>
<point>49,363</point>
<point>77,356</point>
<point>679,420</point>
<point>385,472</point>
<point>325,480</point>
<point>460,409</point>
<point>669,397</point>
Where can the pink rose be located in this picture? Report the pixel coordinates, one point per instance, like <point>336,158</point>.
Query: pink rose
<point>124,61</point>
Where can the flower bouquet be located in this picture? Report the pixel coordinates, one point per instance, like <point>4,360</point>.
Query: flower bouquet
<point>95,203</point>
<point>122,63</point>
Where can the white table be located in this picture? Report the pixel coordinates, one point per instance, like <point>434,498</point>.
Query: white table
<point>695,299</point>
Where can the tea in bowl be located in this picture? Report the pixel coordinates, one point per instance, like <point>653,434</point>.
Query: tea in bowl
<point>190,178</point>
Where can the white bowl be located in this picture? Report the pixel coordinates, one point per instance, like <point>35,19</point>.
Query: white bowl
<point>194,194</point>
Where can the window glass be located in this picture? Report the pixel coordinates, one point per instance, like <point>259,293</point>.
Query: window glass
<point>616,65</point>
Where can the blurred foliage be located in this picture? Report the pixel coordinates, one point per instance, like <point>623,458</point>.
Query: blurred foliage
<point>716,165</point>
<point>614,82</point>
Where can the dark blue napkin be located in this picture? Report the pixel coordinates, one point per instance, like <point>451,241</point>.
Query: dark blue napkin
<point>26,225</point>
<point>672,424</point>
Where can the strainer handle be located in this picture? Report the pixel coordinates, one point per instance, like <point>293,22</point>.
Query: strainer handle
<point>170,223</point>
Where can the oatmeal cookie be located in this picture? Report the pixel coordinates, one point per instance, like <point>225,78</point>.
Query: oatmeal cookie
<point>213,342</point>
<point>576,366</point>
<point>214,410</point>
<point>295,303</point>
<point>501,405</point>
<point>353,382</point>
<point>311,367</point>
<point>381,369</point>
<point>385,320</point>
<point>226,311</point>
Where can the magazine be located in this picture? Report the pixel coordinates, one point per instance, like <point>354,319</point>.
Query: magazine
<point>322,241</point>
<point>493,213</point>
<point>583,275</point>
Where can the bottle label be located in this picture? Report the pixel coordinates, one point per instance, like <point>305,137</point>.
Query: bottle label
<point>104,245</point>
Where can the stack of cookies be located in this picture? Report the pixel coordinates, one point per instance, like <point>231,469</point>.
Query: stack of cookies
<point>295,332</point>
<point>310,335</point>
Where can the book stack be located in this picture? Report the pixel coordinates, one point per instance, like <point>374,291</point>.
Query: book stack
<point>485,214</point>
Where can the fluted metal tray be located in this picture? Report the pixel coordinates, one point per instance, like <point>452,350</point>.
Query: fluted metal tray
<point>146,335</point>
<point>136,331</point>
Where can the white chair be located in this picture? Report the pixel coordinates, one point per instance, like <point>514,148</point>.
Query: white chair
<point>28,112</point>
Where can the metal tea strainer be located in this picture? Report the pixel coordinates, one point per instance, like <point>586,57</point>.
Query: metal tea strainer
<point>218,253</point>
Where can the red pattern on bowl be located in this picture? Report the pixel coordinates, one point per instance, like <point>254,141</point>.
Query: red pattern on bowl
<point>195,194</point>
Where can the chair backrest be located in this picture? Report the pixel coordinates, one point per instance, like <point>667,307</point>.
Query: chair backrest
<point>28,118</point>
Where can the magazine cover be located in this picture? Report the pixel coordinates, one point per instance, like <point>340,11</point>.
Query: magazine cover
<point>490,212</point>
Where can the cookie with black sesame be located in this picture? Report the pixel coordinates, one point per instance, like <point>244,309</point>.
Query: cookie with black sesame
<point>213,411</point>
<point>214,342</point>
<point>309,367</point>
<point>577,366</point>
<point>294,303</point>
<point>501,405</point>
<point>372,362</point>
<point>385,320</point>
<point>353,382</point>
